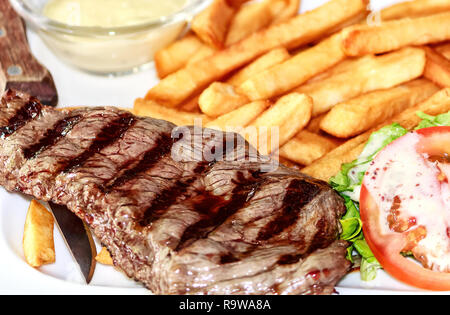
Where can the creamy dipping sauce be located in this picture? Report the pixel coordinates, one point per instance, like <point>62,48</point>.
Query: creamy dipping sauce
<point>103,51</point>
<point>110,13</point>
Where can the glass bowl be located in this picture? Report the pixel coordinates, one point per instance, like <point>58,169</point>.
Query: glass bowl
<point>107,51</point>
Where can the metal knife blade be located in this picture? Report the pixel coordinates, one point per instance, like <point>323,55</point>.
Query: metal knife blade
<point>78,238</point>
<point>19,70</point>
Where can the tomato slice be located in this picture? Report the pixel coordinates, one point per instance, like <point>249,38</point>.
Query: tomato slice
<point>388,239</point>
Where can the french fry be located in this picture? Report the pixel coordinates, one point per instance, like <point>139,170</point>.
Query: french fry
<point>295,71</point>
<point>416,8</point>
<point>190,105</point>
<point>341,67</point>
<point>203,52</point>
<point>291,9</point>
<point>211,25</point>
<point>289,115</point>
<point>437,68</point>
<point>314,124</point>
<point>330,164</point>
<point>38,243</point>
<point>444,50</point>
<point>362,113</point>
<point>253,17</point>
<point>299,30</point>
<point>240,117</point>
<point>287,162</point>
<point>361,18</point>
<point>373,73</point>
<point>392,35</point>
<point>151,109</point>
<point>437,104</point>
<point>104,257</point>
<point>264,62</point>
<point>176,55</point>
<point>306,147</point>
<point>220,98</point>
<point>236,3</point>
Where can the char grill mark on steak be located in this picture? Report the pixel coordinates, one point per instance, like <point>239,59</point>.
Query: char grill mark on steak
<point>290,259</point>
<point>298,194</point>
<point>52,135</point>
<point>162,147</point>
<point>50,163</point>
<point>27,112</point>
<point>169,196</point>
<point>166,199</point>
<point>106,137</point>
<point>215,210</point>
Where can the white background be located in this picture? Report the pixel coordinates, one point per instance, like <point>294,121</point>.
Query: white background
<point>76,88</point>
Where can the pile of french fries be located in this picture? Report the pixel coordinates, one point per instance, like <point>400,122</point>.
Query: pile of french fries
<point>326,78</point>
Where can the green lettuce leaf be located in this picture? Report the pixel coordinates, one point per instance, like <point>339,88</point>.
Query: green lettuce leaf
<point>348,184</point>
<point>433,121</point>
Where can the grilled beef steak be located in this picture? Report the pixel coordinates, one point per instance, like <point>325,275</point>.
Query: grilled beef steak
<point>171,218</point>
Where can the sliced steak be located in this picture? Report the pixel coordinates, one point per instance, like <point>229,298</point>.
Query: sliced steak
<point>172,217</point>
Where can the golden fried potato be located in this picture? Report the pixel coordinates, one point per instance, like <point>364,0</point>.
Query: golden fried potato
<point>437,68</point>
<point>307,147</point>
<point>253,17</point>
<point>392,35</point>
<point>267,61</point>
<point>240,117</point>
<point>280,123</point>
<point>300,30</point>
<point>369,74</point>
<point>220,98</point>
<point>204,52</point>
<point>330,164</point>
<point>177,55</point>
<point>295,71</point>
<point>211,25</point>
<point>104,257</point>
<point>314,124</point>
<point>190,106</point>
<point>38,243</point>
<point>180,118</point>
<point>287,162</point>
<point>343,66</point>
<point>291,9</point>
<point>412,9</point>
<point>437,104</point>
<point>351,118</point>
<point>236,3</point>
<point>444,49</point>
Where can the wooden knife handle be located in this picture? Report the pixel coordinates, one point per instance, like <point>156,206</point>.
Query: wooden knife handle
<point>20,70</point>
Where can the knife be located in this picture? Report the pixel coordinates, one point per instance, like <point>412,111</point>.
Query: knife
<point>78,238</point>
<point>19,70</point>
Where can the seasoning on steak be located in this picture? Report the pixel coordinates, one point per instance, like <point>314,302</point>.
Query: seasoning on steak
<point>172,219</point>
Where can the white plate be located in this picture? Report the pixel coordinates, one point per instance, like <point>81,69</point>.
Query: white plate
<point>77,88</point>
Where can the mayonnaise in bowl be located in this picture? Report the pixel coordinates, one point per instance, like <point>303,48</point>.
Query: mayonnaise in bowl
<point>108,36</point>
<point>110,13</point>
